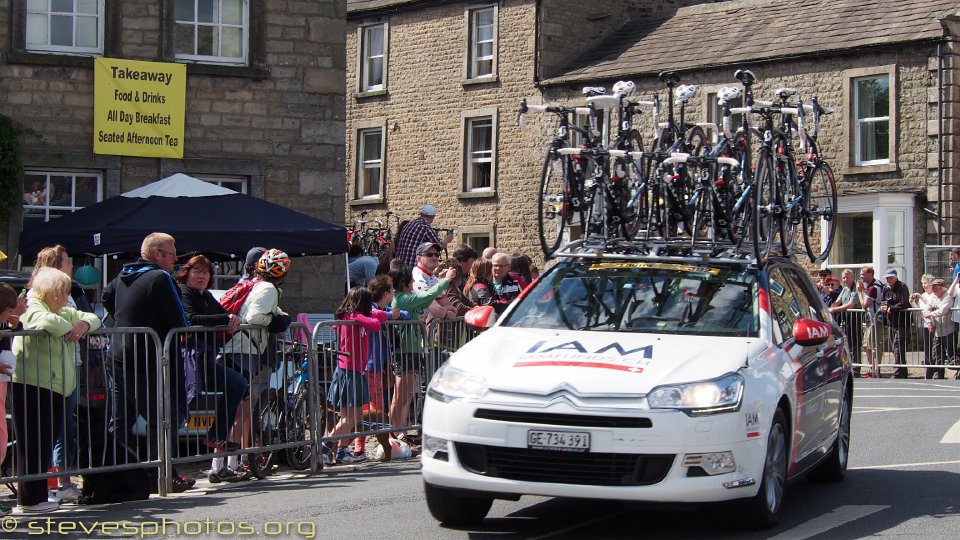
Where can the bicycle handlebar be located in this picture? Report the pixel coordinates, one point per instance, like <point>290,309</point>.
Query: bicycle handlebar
<point>681,157</point>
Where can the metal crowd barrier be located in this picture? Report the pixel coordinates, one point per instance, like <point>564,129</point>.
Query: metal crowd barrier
<point>900,342</point>
<point>299,404</point>
<point>82,426</point>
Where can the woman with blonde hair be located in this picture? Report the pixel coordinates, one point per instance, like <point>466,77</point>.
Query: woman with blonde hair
<point>45,375</point>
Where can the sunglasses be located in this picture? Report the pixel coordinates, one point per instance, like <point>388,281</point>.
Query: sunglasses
<point>430,254</point>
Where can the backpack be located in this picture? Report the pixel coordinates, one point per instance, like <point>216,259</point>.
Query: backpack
<point>233,299</point>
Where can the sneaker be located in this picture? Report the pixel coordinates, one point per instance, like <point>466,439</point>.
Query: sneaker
<point>44,506</point>
<point>348,457</point>
<point>223,475</point>
<point>867,375</point>
<point>181,484</point>
<point>222,445</point>
<point>67,494</point>
<point>244,471</point>
<point>326,455</point>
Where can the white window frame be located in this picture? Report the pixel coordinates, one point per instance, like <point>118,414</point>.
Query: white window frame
<point>219,25</point>
<point>473,57</point>
<point>881,206</point>
<point>221,180</point>
<point>851,150</point>
<point>45,205</point>
<point>860,122</point>
<point>364,165</point>
<point>472,158</point>
<point>33,11</point>
<point>364,86</point>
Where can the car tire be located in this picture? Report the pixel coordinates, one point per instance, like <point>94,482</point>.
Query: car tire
<point>452,508</point>
<point>834,469</point>
<point>762,511</point>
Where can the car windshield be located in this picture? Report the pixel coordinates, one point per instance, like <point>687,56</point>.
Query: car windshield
<point>642,296</point>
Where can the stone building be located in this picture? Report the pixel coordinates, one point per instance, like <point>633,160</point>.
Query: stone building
<point>263,113</point>
<point>433,87</point>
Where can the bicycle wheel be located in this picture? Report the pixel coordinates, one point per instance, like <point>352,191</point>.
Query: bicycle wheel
<point>819,216</point>
<point>553,206</point>
<point>767,223</point>
<point>598,220</point>
<point>634,206</point>
<point>298,429</point>
<point>697,143</point>
<point>266,430</point>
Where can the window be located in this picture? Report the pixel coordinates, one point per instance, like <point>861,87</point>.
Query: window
<point>715,111</point>
<point>786,308</point>
<point>66,26</point>
<point>875,229</point>
<point>49,195</point>
<point>236,183</point>
<point>479,162</point>
<point>212,31</point>
<point>870,95</point>
<point>369,163</point>
<point>481,43</point>
<point>872,134</point>
<point>478,242</point>
<point>373,56</point>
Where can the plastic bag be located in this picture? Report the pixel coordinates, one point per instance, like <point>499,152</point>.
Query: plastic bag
<point>398,450</point>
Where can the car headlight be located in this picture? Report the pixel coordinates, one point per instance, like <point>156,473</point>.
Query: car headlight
<point>704,397</point>
<point>450,383</point>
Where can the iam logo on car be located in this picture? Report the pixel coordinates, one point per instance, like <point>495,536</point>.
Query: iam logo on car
<point>574,354</point>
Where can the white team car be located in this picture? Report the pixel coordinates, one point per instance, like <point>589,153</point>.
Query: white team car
<point>643,379</point>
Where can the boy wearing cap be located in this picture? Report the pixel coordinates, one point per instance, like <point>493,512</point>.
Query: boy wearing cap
<point>895,300</point>
<point>416,233</point>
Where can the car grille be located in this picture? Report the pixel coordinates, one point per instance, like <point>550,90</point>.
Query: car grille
<point>559,467</point>
<point>572,420</point>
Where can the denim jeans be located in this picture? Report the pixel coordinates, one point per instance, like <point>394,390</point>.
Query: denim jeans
<point>65,444</point>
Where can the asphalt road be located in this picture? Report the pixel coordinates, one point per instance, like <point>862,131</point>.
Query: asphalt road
<point>903,482</point>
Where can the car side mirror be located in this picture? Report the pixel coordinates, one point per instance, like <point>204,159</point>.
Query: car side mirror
<point>810,333</point>
<point>480,316</point>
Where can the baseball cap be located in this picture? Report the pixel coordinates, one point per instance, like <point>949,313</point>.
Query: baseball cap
<point>424,247</point>
<point>428,210</point>
<point>825,272</point>
<point>890,273</point>
<point>254,255</point>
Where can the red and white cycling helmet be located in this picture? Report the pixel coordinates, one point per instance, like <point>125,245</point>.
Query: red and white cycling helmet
<point>274,263</point>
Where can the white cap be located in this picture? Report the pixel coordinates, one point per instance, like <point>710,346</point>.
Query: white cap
<point>428,210</point>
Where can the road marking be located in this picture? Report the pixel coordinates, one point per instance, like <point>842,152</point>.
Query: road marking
<point>952,436</point>
<point>904,465</point>
<point>822,524</point>
<point>580,525</point>
<point>897,409</point>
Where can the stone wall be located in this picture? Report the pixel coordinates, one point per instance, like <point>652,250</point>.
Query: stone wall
<point>281,127</point>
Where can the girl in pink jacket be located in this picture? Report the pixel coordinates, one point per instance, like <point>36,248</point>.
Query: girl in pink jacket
<point>349,390</point>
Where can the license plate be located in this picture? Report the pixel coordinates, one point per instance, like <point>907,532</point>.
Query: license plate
<point>200,422</point>
<point>568,441</point>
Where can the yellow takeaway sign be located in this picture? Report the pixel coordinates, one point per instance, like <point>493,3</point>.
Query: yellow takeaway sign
<point>138,108</point>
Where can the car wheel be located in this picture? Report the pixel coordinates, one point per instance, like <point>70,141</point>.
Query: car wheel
<point>834,469</point>
<point>762,511</point>
<point>451,508</point>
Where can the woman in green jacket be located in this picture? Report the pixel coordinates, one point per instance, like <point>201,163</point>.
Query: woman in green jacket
<point>46,372</point>
<point>408,361</point>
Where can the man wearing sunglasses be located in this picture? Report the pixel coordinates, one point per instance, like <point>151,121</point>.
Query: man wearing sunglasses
<point>424,277</point>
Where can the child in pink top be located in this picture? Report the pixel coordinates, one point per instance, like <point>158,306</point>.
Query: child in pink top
<point>349,389</point>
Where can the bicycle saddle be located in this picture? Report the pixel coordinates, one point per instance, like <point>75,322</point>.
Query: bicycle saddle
<point>624,88</point>
<point>745,76</point>
<point>728,94</point>
<point>593,90</point>
<point>687,92</point>
<point>785,92</point>
<point>669,77</point>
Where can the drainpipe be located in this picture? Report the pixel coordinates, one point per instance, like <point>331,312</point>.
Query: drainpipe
<point>940,143</point>
<point>538,10</point>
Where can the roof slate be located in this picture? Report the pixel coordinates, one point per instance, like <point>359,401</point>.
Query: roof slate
<point>741,31</point>
<point>354,6</point>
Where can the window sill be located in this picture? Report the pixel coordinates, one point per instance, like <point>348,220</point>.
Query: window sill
<point>51,58</point>
<point>366,202</point>
<point>371,93</point>
<point>250,72</point>
<point>479,80</point>
<point>869,169</point>
<point>476,194</point>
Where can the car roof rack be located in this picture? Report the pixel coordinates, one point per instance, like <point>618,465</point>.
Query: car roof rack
<point>678,250</point>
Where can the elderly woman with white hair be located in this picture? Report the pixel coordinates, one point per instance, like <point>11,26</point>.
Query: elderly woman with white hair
<point>45,373</point>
